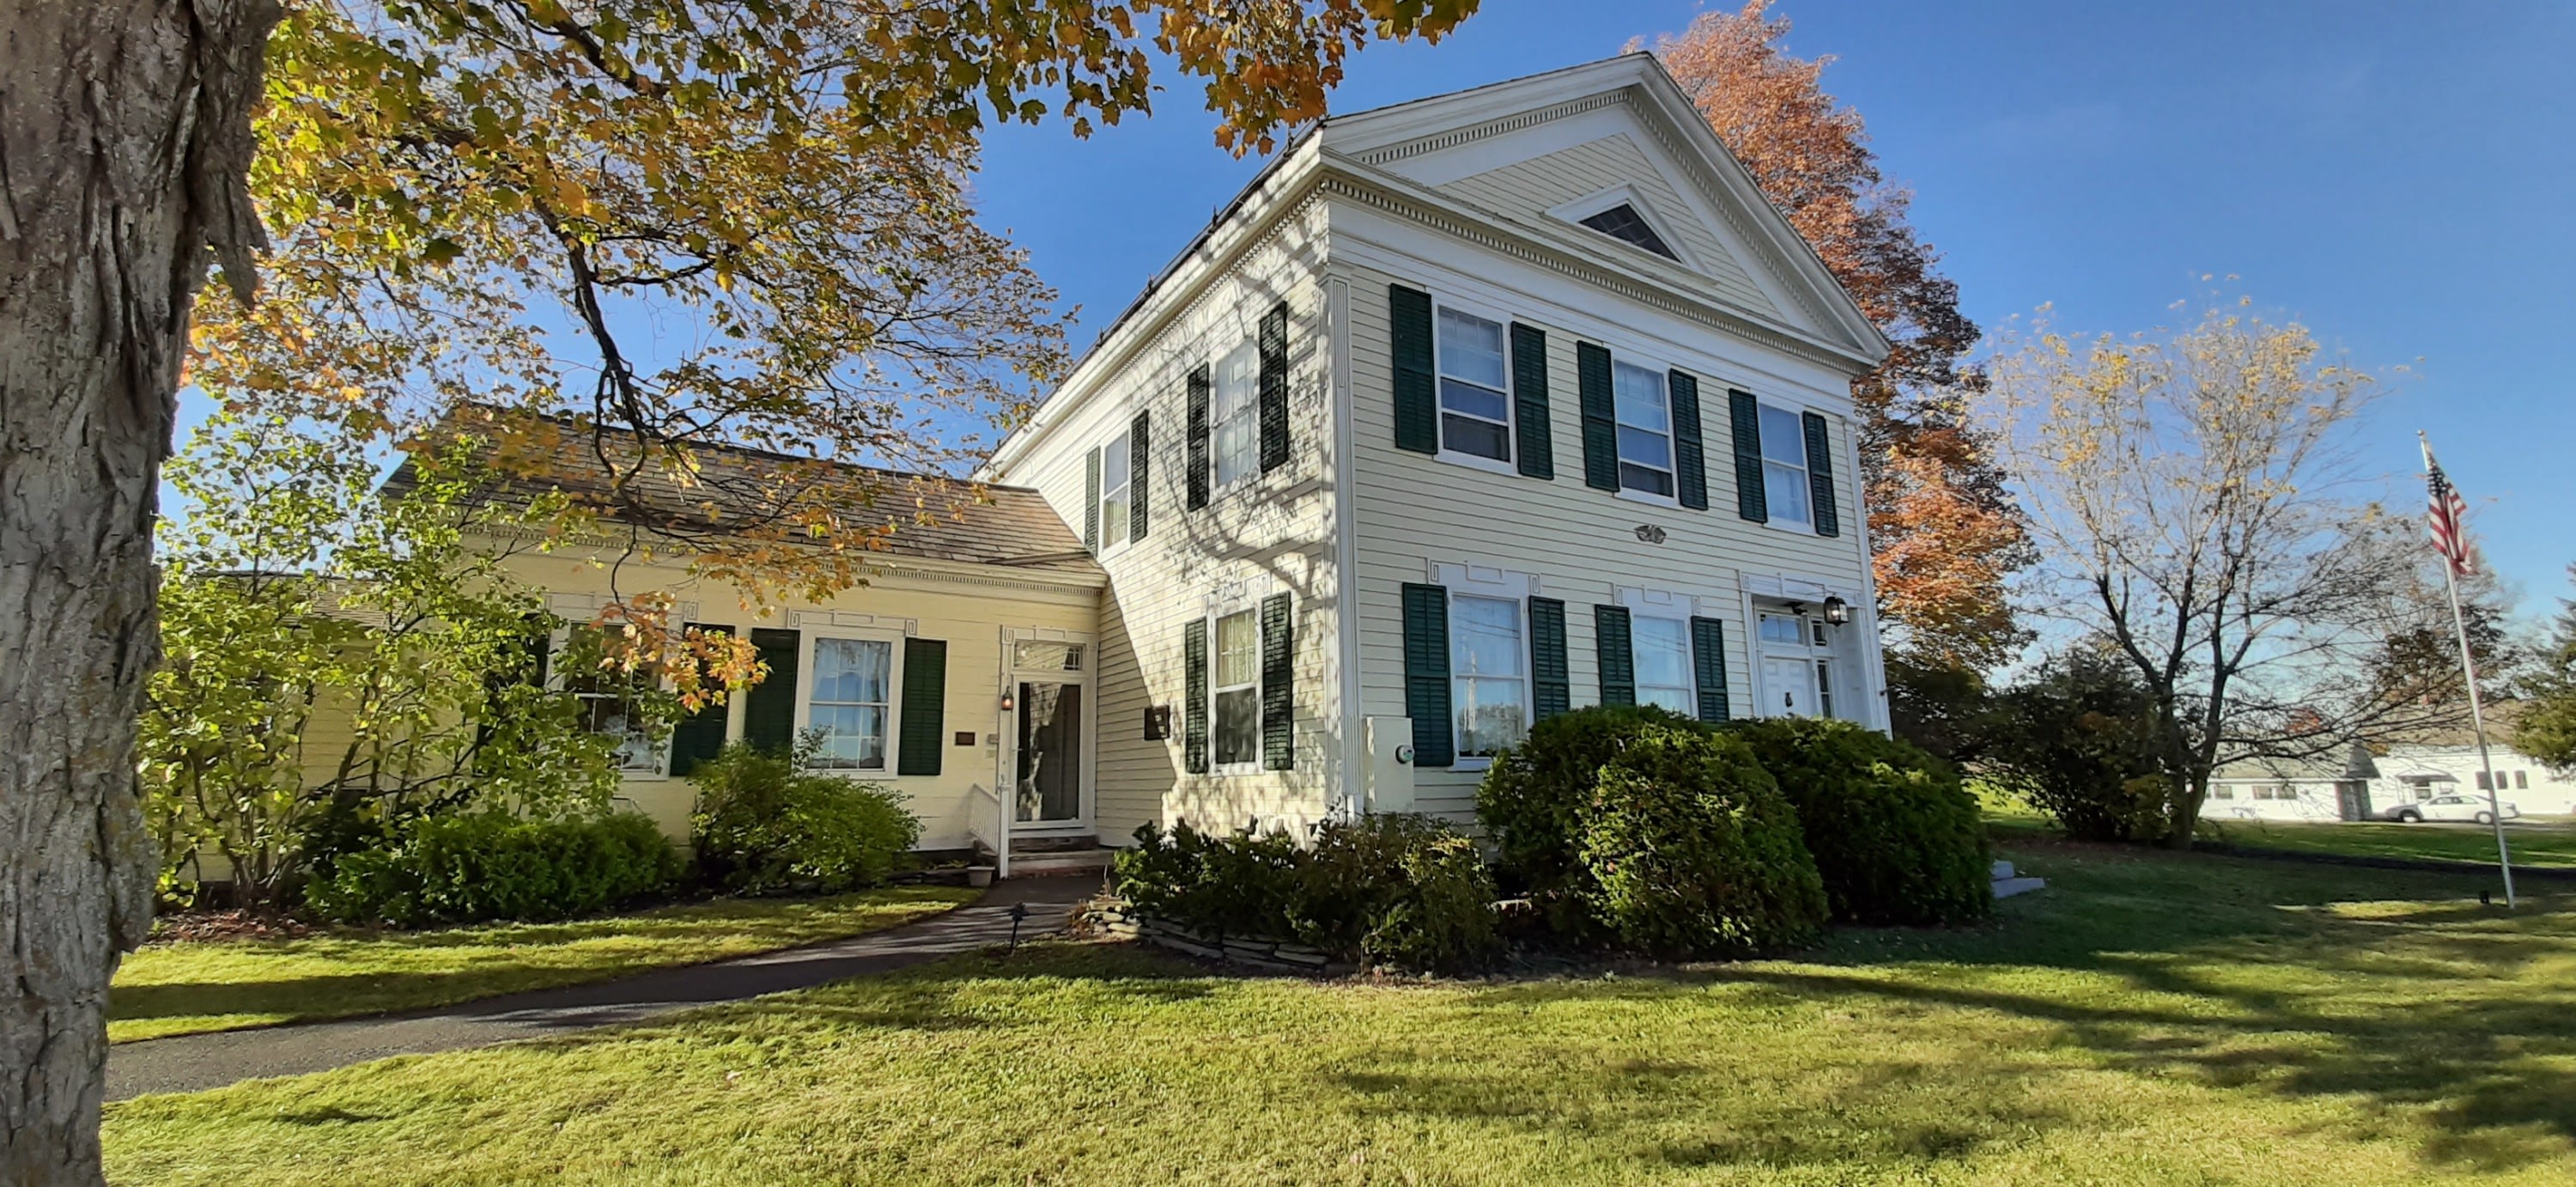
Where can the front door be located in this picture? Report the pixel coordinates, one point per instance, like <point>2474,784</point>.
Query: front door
<point>1791,686</point>
<point>1049,779</point>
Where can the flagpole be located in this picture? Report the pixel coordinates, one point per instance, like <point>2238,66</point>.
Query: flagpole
<point>2477,709</point>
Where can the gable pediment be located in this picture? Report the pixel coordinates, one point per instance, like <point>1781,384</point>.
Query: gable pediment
<point>1609,160</point>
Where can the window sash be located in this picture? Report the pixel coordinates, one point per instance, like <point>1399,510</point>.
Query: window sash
<point>1824,688</point>
<point>1643,412</point>
<point>1235,689</point>
<point>1114,475</point>
<point>1234,417</point>
<point>1488,672</point>
<point>850,697</point>
<point>1474,368</point>
<point>1784,465</point>
<point>1659,651</point>
<point>606,708</point>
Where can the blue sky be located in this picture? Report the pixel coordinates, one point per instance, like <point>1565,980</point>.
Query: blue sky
<point>2396,176</point>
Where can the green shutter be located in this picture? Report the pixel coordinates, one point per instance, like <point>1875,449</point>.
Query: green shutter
<point>1278,684</point>
<point>1688,454</point>
<point>1426,674</point>
<point>1600,417</point>
<point>1274,388</point>
<point>1091,501</point>
<point>1618,662</point>
<point>1820,476</point>
<point>1417,394</point>
<point>925,707</point>
<point>1529,402</point>
<point>1708,666</point>
<point>541,647</point>
<point>1744,423</point>
<point>701,734</point>
<point>1198,451</point>
<point>1140,443</point>
<point>769,710</point>
<point>1551,688</point>
<point>1194,715</point>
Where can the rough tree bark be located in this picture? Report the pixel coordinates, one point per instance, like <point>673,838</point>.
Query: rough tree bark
<point>124,139</point>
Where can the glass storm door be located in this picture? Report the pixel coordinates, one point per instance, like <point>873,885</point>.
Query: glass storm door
<point>1049,781</point>
<point>1790,686</point>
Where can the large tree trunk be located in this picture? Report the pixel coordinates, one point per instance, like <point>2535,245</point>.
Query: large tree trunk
<point>124,137</point>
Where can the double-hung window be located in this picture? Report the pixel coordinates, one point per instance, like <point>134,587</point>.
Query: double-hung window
<point>1662,654</point>
<point>1114,473</point>
<point>1475,400</point>
<point>1645,430</point>
<point>849,703</point>
<point>1238,689</point>
<point>608,705</point>
<point>1489,668</point>
<point>1784,466</point>
<point>1234,420</point>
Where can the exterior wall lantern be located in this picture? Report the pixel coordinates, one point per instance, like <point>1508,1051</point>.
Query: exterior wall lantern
<point>1837,611</point>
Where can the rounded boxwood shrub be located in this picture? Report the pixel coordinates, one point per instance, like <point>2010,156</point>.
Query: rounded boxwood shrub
<point>1895,836</point>
<point>1691,851</point>
<point>490,864</point>
<point>1532,800</point>
<point>1217,884</point>
<point>766,825</point>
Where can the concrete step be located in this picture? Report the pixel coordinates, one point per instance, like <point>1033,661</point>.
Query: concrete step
<point>2008,887</point>
<point>1059,863</point>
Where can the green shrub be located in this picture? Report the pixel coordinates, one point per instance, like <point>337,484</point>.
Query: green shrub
<point>471,866</point>
<point>1690,850</point>
<point>1219,884</point>
<point>766,825</point>
<point>1532,800</point>
<point>2076,740</point>
<point>1398,890</point>
<point>1895,837</point>
<point>1401,890</point>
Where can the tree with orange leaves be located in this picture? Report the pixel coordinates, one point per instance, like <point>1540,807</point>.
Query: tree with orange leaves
<point>1943,531</point>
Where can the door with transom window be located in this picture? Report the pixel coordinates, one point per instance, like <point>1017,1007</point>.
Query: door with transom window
<point>1047,730</point>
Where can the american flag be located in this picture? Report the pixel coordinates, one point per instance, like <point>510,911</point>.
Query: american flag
<point>2442,515</point>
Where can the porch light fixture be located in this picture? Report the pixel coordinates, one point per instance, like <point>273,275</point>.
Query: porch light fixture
<point>1007,706</point>
<point>1837,611</point>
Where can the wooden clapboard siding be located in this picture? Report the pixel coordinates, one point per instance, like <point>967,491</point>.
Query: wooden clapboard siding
<point>1411,511</point>
<point>1272,534</point>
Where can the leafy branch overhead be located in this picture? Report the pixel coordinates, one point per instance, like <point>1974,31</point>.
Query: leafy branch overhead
<point>492,215</point>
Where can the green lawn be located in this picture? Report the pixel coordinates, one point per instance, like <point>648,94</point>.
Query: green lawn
<point>2534,843</point>
<point>167,989</point>
<point>2149,1018</point>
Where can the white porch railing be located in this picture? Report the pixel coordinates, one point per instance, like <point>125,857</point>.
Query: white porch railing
<point>988,821</point>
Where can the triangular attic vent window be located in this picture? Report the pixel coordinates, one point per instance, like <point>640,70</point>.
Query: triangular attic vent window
<point>1623,222</point>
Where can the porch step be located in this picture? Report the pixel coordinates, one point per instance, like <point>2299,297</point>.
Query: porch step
<point>1059,862</point>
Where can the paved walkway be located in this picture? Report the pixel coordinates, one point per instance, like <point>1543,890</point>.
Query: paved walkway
<point>194,1063</point>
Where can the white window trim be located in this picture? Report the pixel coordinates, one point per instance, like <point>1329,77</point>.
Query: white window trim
<point>1486,581</point>
<point>1216,377</point>
<point>1511,394</point>
<point>893,640</point>
<point>1123,438</point>
<point>1672,443</point>
<point>1667,606</point>
<point>560,638</point>
<point>1806,468</point>
<point>1576,211</point>
<point>1220,609</point>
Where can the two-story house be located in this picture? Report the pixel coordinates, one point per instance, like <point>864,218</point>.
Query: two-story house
<point>1465,412</point>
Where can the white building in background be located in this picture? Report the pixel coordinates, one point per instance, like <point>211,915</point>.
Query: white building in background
<point>2412,773</point>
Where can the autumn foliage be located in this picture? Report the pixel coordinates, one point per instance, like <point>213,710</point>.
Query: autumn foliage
<point>1943,530</point>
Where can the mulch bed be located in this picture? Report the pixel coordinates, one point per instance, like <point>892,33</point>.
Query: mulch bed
<point>190,927</point>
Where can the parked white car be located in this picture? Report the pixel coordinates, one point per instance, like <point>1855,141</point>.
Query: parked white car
<point>2456,806</point>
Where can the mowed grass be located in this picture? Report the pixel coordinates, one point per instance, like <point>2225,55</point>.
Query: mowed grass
<point>2549,843</point>
<point>183,988</point>
<point>2149,1018</point>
